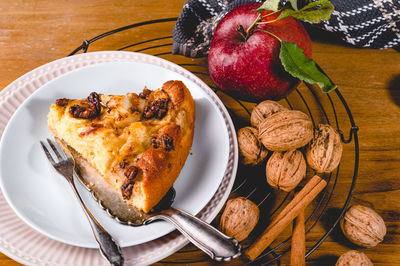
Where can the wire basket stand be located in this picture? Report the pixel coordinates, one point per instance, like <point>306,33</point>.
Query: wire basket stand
<point>321,107</point>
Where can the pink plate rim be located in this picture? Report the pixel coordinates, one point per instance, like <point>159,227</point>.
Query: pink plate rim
<point>25,245</point>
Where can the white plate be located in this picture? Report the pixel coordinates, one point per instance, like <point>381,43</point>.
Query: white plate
<point>44,200</point>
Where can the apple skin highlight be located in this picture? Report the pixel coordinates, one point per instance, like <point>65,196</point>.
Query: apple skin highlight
<point>250,68</point>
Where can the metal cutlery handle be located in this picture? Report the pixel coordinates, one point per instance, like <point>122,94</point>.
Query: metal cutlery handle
<point>217,245</point>
<point>108,248</point>
<point>63,162</point>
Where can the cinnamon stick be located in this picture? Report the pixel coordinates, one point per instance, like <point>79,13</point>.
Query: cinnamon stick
<point>293,209</point>
<point>298,249</point>
<point>300,195</point>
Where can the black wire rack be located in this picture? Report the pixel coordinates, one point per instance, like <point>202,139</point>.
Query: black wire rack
<point>251,183</point>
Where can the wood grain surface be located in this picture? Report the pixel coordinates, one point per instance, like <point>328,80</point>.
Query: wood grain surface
<point>36,32</point>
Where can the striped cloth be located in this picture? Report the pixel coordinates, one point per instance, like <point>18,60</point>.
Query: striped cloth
<point>362,23</point>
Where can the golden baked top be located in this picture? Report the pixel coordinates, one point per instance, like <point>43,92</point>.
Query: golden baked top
<point>121,135</point>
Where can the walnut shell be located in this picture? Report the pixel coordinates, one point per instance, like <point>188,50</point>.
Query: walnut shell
<point>363,226</point>
<point>263,110</point>
<point>285,130</point>
<point>251,151</point>
<point>354,258</point>
<point>285,170</point>
<point>239,218</point>
<point>325,150</point>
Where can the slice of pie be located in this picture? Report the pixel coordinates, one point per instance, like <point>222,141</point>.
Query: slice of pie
<point>137,143</point>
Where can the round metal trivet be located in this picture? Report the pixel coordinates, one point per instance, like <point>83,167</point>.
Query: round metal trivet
<point>329,206</point>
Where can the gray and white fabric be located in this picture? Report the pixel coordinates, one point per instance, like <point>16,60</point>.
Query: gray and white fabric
<point>362,23</point>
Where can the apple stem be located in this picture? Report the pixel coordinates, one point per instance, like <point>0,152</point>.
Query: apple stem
<point>267,22</point>
<point>270,33</point>
<point>269,14</point>
<point>252,25</point>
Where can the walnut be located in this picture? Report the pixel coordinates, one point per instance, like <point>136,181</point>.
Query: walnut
<point>354,258</point>
<point>62,101</point>
<point>131,172</point>
<point>88,111</point>
<point>363,226</point>
<point>157,108</point>
<point>145,93</point>
<point>285,170</point>
<point>285,130</point>
<point>325,149</point>
<point>127,187</point>
<point>239,218</point>
<point>263,110</point>
<point>250,149</point>
<point>166,142</point>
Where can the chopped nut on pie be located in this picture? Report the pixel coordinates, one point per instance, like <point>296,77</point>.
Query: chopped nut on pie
<point>138,143</point>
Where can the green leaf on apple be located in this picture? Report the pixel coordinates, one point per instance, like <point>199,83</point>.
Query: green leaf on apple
<point>293,3</point>
<point>272,5</point>
<point>299,66</point>
<point>314,12</point>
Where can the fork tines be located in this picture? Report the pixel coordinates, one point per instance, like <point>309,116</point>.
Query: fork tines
<point>55,147</point>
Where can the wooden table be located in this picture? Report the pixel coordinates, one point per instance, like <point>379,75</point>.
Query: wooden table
<point>36,32</point>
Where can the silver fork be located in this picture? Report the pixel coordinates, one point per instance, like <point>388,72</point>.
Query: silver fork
<point>65,165</point>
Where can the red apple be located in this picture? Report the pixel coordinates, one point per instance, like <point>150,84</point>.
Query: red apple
<point>249,66</point>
